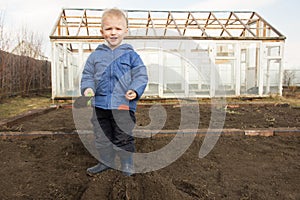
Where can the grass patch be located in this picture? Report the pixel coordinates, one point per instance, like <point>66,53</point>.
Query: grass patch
<point>14,106</point>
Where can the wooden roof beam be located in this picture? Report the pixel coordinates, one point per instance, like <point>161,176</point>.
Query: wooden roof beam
<point>57,24</point>
<point>80,23</point>
<point>186,23</point>
<point>174,21</point>
<point>199,26</point>
<point>86,23</point>
<point>167,23</point>
<point>169,20</point>
<point>148,23</point>
<point>226,23</point>
<point>245,26</point>
<point>265,22</point>
<point>249,22</point>
<point>206,23</point>
<point>65,22</point>
<point>223,27</point>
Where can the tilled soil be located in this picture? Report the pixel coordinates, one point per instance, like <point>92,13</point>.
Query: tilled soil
<point>170,117</point>
<point>238,167</point>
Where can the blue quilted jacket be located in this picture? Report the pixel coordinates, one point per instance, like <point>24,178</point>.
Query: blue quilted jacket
<point>111,73</point>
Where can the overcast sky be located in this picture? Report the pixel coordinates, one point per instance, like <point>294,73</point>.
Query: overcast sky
<point>40,16</point>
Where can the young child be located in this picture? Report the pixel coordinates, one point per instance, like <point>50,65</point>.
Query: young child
<point>116,76</point>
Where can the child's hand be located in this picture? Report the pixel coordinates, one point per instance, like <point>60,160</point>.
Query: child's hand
<point>130,95</point>
<point>89,92</point>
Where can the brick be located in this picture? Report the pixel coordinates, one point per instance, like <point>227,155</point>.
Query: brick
<point>265,133</point>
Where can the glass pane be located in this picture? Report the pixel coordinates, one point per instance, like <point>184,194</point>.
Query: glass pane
<point>225,49</point>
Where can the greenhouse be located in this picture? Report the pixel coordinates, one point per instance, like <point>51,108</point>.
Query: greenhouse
<point>187,53</point>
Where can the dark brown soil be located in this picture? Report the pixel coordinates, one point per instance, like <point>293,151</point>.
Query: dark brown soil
<point>238,167</point>
<point>238,115</point>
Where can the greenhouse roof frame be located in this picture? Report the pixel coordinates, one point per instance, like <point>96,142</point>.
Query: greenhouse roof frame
<point>83,24</point>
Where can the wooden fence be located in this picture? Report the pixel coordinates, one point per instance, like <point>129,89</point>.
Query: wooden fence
<point>22,75</point>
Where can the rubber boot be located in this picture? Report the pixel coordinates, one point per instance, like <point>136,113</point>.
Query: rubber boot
<point>107,158</point>
<point>127,166</point>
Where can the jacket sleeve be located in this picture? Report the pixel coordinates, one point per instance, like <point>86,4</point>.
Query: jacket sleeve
<point>87,79</point>
<point>139,76</point>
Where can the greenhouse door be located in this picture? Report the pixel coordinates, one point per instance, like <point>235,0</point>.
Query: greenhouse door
<point>249,64</point>
<point>272,73</point>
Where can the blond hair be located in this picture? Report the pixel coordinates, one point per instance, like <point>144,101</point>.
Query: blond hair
<point>114,12</point>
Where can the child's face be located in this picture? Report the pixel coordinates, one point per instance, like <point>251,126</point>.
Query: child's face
<point>114,30</point>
